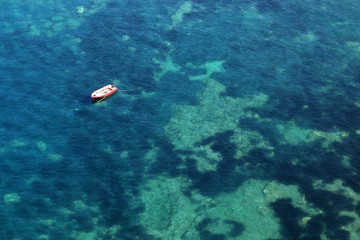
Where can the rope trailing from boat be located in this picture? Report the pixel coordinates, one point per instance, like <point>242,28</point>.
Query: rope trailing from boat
<point>128,90</point>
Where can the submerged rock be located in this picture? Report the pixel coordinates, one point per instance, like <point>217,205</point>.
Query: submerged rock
<point>54,157</point>
<point>11,198</point>
<point>41,146</point>
<point>18,143</point>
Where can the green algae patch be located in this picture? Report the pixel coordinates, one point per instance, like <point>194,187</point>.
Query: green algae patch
<point>244,139</point>
<point>354,46</point>
<point>308,37</point>
<point>54,158</point>
<point>214,114</point>
<point>41,146</point>
<point>353,227</point>
<point>274,191</point>
<point>338,187</point>
<point>80,9</point>
<point>185,8</point>
<point>210,67</point>
<point>244,206</point>
<point>205,157</point>
<point>168,213</point>
<point>11,198</point>
<point>190,125</point>
<point>18,143</point>
<point>90,213</point>
<point>3,149</point>
<point>294,135</point>
<point>166,66</point>
<point>59,20</point>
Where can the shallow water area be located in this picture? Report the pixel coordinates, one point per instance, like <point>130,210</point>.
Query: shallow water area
<point>233,120</point>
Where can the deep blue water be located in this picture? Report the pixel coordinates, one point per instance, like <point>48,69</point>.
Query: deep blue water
<point>71,169</point>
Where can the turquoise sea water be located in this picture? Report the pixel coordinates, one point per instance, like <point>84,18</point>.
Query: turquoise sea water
<point>238,120</point>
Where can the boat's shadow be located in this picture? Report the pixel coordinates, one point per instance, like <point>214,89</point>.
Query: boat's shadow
<point>102,99</point>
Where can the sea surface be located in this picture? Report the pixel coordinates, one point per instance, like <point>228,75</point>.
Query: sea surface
<point>234,119</point>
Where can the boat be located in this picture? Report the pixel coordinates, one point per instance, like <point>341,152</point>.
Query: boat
<point>104,92</point>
